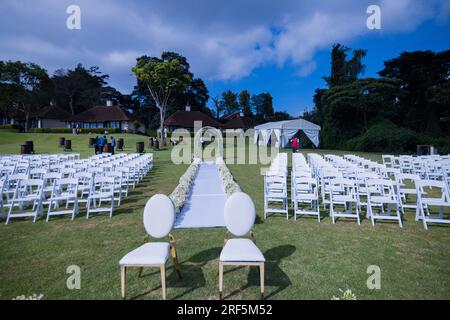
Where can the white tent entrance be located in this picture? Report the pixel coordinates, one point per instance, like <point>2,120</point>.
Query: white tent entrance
<point>280,132</point>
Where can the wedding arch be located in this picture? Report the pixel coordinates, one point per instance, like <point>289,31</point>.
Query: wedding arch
<point>214,132</point>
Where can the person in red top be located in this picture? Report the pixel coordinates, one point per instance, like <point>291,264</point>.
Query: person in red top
<point>294,145</point>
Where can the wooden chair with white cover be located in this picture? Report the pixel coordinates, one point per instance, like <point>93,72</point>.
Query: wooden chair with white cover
<point>432,194</point>
<point>239,215</point>
<point>159,217</point>
<point>65,192</point>
<point>343,192</point>
<point>28,198</point>
<point>380,192</point>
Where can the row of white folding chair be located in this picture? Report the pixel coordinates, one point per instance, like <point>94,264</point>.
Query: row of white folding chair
<point>356,192</point>
<point>30,193</point>
<point>51,179</point>
<point>410,184</point>
<point>275,187</point>
<point>427,201</point>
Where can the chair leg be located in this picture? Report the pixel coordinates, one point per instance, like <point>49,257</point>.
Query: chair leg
<point>261,276</point>
<point>123,272</point>
<point>173,253</point>
<point>163,281</point>
<point>220,280</point>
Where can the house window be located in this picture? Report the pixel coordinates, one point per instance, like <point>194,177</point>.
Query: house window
<point>114,124</point>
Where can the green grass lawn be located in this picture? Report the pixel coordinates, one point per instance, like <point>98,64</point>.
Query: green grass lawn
<point>305,259</point>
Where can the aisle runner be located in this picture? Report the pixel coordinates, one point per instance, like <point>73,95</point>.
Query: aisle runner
<point>204,209</point>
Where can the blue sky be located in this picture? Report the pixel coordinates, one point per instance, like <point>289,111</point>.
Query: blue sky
<point>281,47</point>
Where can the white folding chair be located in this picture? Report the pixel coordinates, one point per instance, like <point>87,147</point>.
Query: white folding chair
<point>305,197</point>
<point>432,193</point>
<point>406,188</point>
<point>275,194</point>
<point>65,190</point>
<point>239,215</point>
<point>118,185</point>
<point>102,190</point>
<point>28,193</point>
<point>343,192</point>
<point>381,192</point>
<point>159,217</point>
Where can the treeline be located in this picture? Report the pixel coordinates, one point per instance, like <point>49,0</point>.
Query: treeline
<point>27,87</point>
<point>408,105</point>
<point>258,106</point>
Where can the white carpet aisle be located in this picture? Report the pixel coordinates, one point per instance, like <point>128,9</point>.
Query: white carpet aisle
<point>204,209</point>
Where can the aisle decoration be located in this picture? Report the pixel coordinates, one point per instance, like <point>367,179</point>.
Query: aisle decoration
<point>180,194</point>
<point>228,182</point>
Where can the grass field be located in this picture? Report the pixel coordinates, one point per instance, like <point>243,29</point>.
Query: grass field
<point>305,259</point>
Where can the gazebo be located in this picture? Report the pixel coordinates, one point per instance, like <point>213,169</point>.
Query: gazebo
<point>283,131</point>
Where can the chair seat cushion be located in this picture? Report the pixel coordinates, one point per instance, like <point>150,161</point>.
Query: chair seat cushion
<point>152,253</point>
<point>237,250</point>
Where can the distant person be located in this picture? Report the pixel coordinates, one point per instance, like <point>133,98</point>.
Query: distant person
<point>113,144</point>
<point>298,144</point>
<point>294,145</point>
<point>96,144</point>
<point>77,129</point>
<point>101,144</point>
<point>74,130</point>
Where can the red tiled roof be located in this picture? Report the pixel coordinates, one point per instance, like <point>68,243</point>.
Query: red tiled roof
<point>52,112</point>
<point>185,119</point>
<point>240,123</point>
<point>102,114</point>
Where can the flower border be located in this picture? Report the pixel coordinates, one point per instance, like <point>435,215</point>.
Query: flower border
<point>228,182</point>
<point>180,194</point>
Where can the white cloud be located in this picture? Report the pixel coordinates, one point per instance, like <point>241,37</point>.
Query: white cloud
<point>222,40</point>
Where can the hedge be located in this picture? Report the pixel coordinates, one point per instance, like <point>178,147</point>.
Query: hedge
<point>9,128</point>
<point>69,130</point>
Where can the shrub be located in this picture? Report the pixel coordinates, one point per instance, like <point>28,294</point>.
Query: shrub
<point>385,137</point>
<point>69,130</point>
<point>9,127</point>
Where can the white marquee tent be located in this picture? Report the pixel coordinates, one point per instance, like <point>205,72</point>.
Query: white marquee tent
<point>283,131</point>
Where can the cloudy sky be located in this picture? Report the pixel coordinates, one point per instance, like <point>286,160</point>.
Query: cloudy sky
<point>279,46</point>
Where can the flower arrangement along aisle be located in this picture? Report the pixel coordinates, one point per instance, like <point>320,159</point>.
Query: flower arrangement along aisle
<point>180,194</point>
<point>228,182</point>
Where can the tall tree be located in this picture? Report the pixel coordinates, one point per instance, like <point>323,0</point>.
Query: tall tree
<point>257,103</point>
<point>345,71</point>
<point>197,95</point>
<point>218,105</point>
<point>24,87</point>
<point>244,103</point>
<point>230,102</point>
<point>163,80</point>
<point>78,89</point>
<point>267,105</point>
<point>425,76</point>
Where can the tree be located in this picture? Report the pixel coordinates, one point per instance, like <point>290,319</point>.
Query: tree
<point>24,87</point>
<point>425,77</point>
<point>197,95</point>
<point>267,105</point>
<point>163,79</point>
<point>257,102</point>
<point>230,102</point>
<point>244,103</point>
<point>78,89</point>
<point>218,105</point>
<point>345,71</point>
